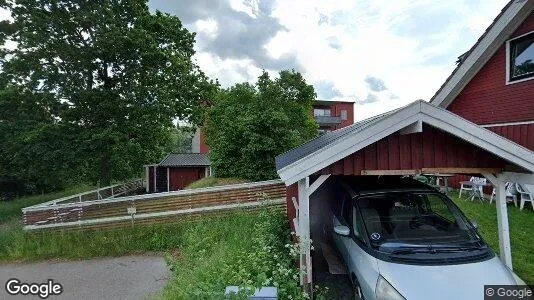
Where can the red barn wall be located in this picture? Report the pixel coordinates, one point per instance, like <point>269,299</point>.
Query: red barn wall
<point>521,134</point>
<point>182,177</point>
<point>349,107</point>
<point>487,99</point>
<point>291,191</point>
<point>203,146</point>
<point>430,149</point>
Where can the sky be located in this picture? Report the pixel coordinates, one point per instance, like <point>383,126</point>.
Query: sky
<point>381,54</point>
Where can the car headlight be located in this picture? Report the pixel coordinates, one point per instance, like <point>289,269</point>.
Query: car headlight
<point>384,291</point>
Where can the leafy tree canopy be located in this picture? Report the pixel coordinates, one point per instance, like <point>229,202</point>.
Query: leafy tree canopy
<point>107,79</point>
<point>249,125</point>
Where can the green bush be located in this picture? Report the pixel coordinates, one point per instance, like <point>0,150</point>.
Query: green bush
<point>252,254</point>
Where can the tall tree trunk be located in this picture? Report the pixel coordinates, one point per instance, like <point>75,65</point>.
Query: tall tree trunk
<point>105,169</point>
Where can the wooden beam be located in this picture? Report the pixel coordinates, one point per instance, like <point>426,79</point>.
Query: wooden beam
<point>491,178</point>
<point>505,250</point>
<point>390,172</point>
<point>147,168</point>
<point>461,170</point>
<point>168,180</point>
<point>317,183</point>
<point>305,238</point>
<point>412,128</point>
<point>432,170</point>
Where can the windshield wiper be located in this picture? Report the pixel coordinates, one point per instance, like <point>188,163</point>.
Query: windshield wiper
<point>413,250</point>
<point>433,250</point>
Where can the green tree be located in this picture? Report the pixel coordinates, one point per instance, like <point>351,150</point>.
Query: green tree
<point>32,139</point>
<point>249,125</point>
<point>120,74</point>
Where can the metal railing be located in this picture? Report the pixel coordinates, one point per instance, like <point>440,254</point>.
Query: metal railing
<point>96,194</point>
<point>328,120</point>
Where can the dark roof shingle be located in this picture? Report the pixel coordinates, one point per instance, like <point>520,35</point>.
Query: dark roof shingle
<point>185,160</point>
<point>324,140</point>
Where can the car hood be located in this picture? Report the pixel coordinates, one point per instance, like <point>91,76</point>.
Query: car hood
<point>463,281</point>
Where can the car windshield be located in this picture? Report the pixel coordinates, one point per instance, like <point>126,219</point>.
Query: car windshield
<point>414,218</point>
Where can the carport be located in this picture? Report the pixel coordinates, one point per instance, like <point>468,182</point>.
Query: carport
<point>418,138</point>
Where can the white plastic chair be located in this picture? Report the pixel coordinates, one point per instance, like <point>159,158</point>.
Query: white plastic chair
<point>511,192</point>
<point>468,185</point>
<point>526,192</point>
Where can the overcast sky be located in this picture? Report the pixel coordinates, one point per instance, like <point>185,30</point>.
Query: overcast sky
<point>382,54</point>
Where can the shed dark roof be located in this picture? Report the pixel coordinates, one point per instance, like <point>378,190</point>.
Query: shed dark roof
<point>185,160</point>
<point>329,102</point>
<point>328,138</point>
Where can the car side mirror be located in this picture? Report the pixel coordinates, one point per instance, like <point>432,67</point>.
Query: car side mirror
<point>342,230</point>
<point>474,223</point>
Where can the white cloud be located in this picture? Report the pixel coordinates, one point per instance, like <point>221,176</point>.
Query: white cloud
<point>228,71</point>
<point>208,27</point>
<point>380,38</point>
<point>409,45</point>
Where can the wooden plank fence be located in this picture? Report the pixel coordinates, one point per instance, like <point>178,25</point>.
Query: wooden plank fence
<point>155,208</point>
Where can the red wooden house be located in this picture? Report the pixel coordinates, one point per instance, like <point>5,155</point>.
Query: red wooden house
<point>332,115</point>
<point>492,85</point>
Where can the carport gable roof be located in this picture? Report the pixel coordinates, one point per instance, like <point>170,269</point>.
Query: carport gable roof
<point>185,160</point>
<point>331,147</point>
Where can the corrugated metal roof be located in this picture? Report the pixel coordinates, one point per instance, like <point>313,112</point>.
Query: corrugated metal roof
<point>185,160</point>
<point>324,140</point>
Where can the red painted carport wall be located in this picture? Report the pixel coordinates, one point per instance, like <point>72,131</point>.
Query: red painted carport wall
<point>432,148</point>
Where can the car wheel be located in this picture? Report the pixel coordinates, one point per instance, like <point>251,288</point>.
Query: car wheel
<point>358,295</point>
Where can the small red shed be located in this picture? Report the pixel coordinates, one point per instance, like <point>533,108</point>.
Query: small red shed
<point>176,171</point>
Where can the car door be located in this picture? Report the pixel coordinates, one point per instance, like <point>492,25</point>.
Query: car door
<point>358,261</point>
<point>338,220</point>
<point>362,264</point>
<point>349,248</point>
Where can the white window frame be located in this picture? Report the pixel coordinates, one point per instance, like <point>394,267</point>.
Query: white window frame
<point>508,61</point>
<point>344,115</point>
<point>323,111</point>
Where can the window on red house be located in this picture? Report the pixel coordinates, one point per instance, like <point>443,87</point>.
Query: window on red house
<point>522,57</point>
<point>319,112</point>
<point>343,115</point>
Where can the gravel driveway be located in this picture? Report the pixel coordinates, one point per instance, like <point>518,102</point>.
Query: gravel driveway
<point>128,277</point>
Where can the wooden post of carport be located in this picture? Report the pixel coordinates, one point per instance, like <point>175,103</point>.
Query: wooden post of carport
<point>499,181</point>
<point>305,190</point>
<point>505,250</point>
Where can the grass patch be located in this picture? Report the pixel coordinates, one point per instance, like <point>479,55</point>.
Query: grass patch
<point>12,209</point>
<point>521,228</point>
<point>20,246</point>
<point>213,181</point>
<point>247,249</point>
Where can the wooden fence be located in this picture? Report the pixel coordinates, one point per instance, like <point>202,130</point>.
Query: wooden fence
<point>154,208</point>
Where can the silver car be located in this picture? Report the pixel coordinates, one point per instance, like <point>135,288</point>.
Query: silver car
<point>401,239</point>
